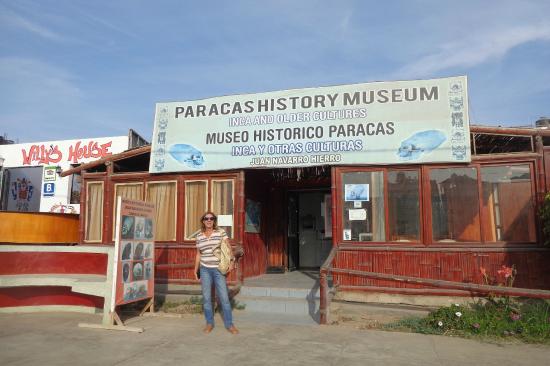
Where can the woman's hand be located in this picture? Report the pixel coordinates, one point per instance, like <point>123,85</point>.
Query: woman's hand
<point>195,273</point>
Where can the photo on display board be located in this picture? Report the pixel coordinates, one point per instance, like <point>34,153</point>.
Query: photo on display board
<point>148,251</point>
<point>138,251</point>
<point>148,229</point>
<point>126,272</point>
<point>130,291</point>
<point>137,271</point>
<point>139,232</point>
<point>126,251</point>
<point>127,227</point>
<point>141,289</point>
<point>148,269</point>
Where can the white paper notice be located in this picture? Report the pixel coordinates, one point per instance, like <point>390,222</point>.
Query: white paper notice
<point>225,220</point>
<point>358,215</point>
<point>347,234</point>
<point>357,204</point>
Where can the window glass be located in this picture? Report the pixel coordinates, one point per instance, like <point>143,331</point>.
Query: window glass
<point>94,211</point>
<point>403,205</point>
<point>508,203</point>
<point>195,205</point>
<point>163,195</point>
<point>76,180</point>
<point>455,204</point>
<point>222,204</point>
<point>363,206</point>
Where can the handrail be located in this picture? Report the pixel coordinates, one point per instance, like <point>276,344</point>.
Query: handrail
<point>327,268</point>
<point>497,290</point>
<point>324,300</point>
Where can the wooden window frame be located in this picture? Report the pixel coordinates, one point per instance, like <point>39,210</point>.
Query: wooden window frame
<point>145,196</point>
<point>233,214</point>
<point>207,198</point>
<point>115,185</point>
<point>86,211</point>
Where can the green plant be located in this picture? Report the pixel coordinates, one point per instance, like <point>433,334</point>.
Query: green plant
<point>545,219</point>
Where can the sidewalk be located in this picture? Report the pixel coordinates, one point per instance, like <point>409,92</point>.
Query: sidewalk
<point>55,339</point>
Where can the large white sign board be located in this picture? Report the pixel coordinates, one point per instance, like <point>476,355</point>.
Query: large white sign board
<point>399,122</point>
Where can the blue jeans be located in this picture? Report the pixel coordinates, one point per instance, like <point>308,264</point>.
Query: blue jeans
<point>209,275</point>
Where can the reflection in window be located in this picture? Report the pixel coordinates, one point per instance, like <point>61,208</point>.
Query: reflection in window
<point>363,206</point>
<point>76,181</point>
<point>455,204</point>
<point>222,204</point>
<point>195,205</point>
<point>508,203</point>
<point>403,205</point>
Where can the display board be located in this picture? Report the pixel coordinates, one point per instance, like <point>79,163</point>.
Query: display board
<point>134,277</point>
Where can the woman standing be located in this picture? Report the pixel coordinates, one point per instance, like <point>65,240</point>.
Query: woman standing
<point>207,263</point>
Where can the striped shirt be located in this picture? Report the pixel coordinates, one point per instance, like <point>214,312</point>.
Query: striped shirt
<point>206,246</point>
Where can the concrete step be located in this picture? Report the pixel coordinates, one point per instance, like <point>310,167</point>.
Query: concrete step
<point>278,305</point>
<point>293,293</point>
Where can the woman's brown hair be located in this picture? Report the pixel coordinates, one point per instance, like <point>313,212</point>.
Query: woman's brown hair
<point>215,226</point>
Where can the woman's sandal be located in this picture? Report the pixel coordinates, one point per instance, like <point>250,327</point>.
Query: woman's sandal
<point>233,330</point>
<point>208,328</point>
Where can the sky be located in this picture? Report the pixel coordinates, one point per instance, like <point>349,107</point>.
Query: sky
<point>74,69</point>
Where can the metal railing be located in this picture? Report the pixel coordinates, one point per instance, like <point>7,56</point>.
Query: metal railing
<point>327,269</point>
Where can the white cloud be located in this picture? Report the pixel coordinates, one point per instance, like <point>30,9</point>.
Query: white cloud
<point>479,47</point>
<point>12,19</point>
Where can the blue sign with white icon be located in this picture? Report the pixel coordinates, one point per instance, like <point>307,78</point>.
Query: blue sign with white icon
<point>49,189</point>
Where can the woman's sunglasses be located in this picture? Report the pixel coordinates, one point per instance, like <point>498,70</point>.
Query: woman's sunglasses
<point>209,218</point>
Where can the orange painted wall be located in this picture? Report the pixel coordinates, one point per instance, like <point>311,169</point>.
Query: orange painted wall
<point>38,227</point>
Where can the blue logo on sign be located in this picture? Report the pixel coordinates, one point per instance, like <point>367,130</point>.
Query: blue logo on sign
<point>49,189</point>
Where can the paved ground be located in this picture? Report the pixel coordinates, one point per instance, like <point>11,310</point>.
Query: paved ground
<point>55,339</point>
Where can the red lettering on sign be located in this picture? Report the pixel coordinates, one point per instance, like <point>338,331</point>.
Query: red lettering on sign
<point>41,154</point>
<point>91,150</point>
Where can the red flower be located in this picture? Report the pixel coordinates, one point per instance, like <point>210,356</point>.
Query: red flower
<point>483,271</point>
<point>506,271</point>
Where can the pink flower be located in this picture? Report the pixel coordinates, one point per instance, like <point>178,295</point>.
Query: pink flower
<point>506,271</point>
<point>515,317</point>
<point>475,325</point>
<point>483,271</point>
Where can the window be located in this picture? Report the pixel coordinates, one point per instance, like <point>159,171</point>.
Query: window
<point>196,203</point>
<point>455,205</point>
<point>76,181</point>
<point>132,191</point>
<point>403,205</point>
<point>94,211</point>
<point>222,204</point>
<point>363,206</point>
<point>163,195</point>
<point>508,203</point>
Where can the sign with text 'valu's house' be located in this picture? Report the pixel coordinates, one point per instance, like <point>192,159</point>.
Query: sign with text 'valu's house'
<point>400,122</point>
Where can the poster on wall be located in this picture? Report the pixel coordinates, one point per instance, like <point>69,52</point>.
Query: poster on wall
<point>356,192</point>
<point>396,122</point>
<point>253,216</point>
<point>134,277</point>
<point>24,189</point>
